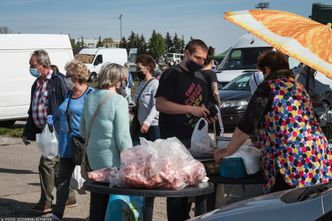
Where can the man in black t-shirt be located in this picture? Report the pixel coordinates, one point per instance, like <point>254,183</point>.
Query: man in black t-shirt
<point>180,101</point>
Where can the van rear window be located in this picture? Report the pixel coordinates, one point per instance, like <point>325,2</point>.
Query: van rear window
<point>85,58</point>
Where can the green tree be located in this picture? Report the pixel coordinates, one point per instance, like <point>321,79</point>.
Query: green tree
<point>107,42</point>
<point>142,45</point>
<point>182,43</point>
<point>157,46</point>
<point>5,30</point>
<point>131,41</point>
<point>99,43</point>
<point>168,42</point>
<point>177,46</point>
<point>123,43</point>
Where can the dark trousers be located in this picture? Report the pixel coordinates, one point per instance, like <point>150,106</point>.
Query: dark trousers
<point>63,182</point>
<point>178,209</point>
<point>280,184</point>
<point>152,134</point>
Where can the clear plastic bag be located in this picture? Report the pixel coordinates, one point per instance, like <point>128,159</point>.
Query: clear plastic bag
<point>250,156</point>
<point>164,164</point>
<point>202,144</point>
<point>48,143</point>
<point>76,181</point>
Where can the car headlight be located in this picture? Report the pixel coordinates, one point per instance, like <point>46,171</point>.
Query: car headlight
<point>239,104</point>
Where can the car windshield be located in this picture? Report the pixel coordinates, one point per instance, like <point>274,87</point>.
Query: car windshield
<point>241,83</point>
<point>85,58</point>
<point>242,58</point>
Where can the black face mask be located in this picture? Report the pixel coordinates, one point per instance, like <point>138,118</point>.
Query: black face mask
<point>140,75</point>
<point>193,67</point>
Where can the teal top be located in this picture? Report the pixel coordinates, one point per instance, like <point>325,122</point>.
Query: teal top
<point>110,132</point>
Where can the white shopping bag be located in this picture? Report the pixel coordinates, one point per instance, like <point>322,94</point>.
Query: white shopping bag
<point>76,181</point>
<point>202,144</point>
<point>48,143</point>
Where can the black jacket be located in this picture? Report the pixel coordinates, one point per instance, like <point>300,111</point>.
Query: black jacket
<point>57,91</point>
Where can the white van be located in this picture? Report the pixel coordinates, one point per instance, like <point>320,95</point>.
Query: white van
<point>94,58</point>
<point>240,58</point>
<point>174,57</point>
<point>15,79</point>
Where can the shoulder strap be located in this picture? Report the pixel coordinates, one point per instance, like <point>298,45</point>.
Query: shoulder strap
<point>146,84</point>
<point>68,118</point>
<point>93,118</point>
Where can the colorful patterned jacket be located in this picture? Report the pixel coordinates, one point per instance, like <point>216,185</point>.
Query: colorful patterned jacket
<point>291,139</point>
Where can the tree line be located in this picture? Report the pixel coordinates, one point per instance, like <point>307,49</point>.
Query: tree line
<point>157,46</point>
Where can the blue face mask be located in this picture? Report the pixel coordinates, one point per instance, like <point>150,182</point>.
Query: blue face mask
<point>34,72</point>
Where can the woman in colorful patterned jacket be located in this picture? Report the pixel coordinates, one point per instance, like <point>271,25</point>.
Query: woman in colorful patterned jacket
<point>295,152</point>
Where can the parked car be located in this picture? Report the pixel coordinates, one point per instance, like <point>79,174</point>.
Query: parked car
<point>240,58</point>
<point>234,98</point>
<point>305,204</point>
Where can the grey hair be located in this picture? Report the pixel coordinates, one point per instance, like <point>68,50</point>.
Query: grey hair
<point>42,58</point>
<point>109,75</point>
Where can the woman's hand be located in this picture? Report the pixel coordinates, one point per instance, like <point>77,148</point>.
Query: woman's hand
<point>220,154</point>
<point>145,127</point>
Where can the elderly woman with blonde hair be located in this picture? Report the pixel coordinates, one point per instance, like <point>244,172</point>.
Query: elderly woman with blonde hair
<point>69,118</point>
<point>109,133</point>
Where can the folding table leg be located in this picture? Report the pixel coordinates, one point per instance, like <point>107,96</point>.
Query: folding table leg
<point>148,208</point>
<point>220,196</point>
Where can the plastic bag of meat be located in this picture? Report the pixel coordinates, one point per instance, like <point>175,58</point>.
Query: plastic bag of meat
<point>104,175</point>
<point>164,164</point>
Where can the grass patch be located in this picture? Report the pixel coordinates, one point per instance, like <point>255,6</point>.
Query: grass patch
<point>11,132</point>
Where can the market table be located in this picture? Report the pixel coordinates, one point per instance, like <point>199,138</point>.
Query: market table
<point>101,190</point>
<point>217,198</point>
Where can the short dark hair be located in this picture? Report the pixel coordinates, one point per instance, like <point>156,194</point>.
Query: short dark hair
<point>194,44</point>
<point>275,60</point>
<point>210,56</point>
<point>147,61</point>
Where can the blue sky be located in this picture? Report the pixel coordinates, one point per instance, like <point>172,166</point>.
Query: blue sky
<point>197,18</point>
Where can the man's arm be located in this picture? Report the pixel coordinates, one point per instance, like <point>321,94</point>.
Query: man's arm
<point>165,106</point>
<point>215,93</point>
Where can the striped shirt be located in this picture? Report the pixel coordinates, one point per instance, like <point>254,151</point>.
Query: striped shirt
<point>40,102</point>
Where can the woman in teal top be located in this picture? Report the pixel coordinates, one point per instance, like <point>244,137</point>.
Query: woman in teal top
<point>109,133</point>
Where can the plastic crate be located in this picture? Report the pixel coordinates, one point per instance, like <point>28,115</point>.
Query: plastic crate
<point>232,168</point>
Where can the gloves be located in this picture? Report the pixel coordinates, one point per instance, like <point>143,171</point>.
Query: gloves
<point>25,140</point>
<point>50,120</point>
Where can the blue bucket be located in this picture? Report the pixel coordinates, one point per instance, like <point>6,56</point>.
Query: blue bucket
<point>232,168</point>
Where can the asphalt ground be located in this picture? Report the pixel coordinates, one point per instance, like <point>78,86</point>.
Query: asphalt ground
<point>20,188</point>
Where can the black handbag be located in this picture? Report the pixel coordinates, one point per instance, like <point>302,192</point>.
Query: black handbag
<point>77,145</point>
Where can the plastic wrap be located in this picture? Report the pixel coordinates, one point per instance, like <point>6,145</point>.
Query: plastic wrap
<point>164,164</point>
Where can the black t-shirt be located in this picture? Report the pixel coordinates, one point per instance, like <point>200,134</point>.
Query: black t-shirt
<point>181,87</point>
<point>210,77</point>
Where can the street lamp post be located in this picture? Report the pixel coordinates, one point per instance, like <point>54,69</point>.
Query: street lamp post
<point>120,18</point>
